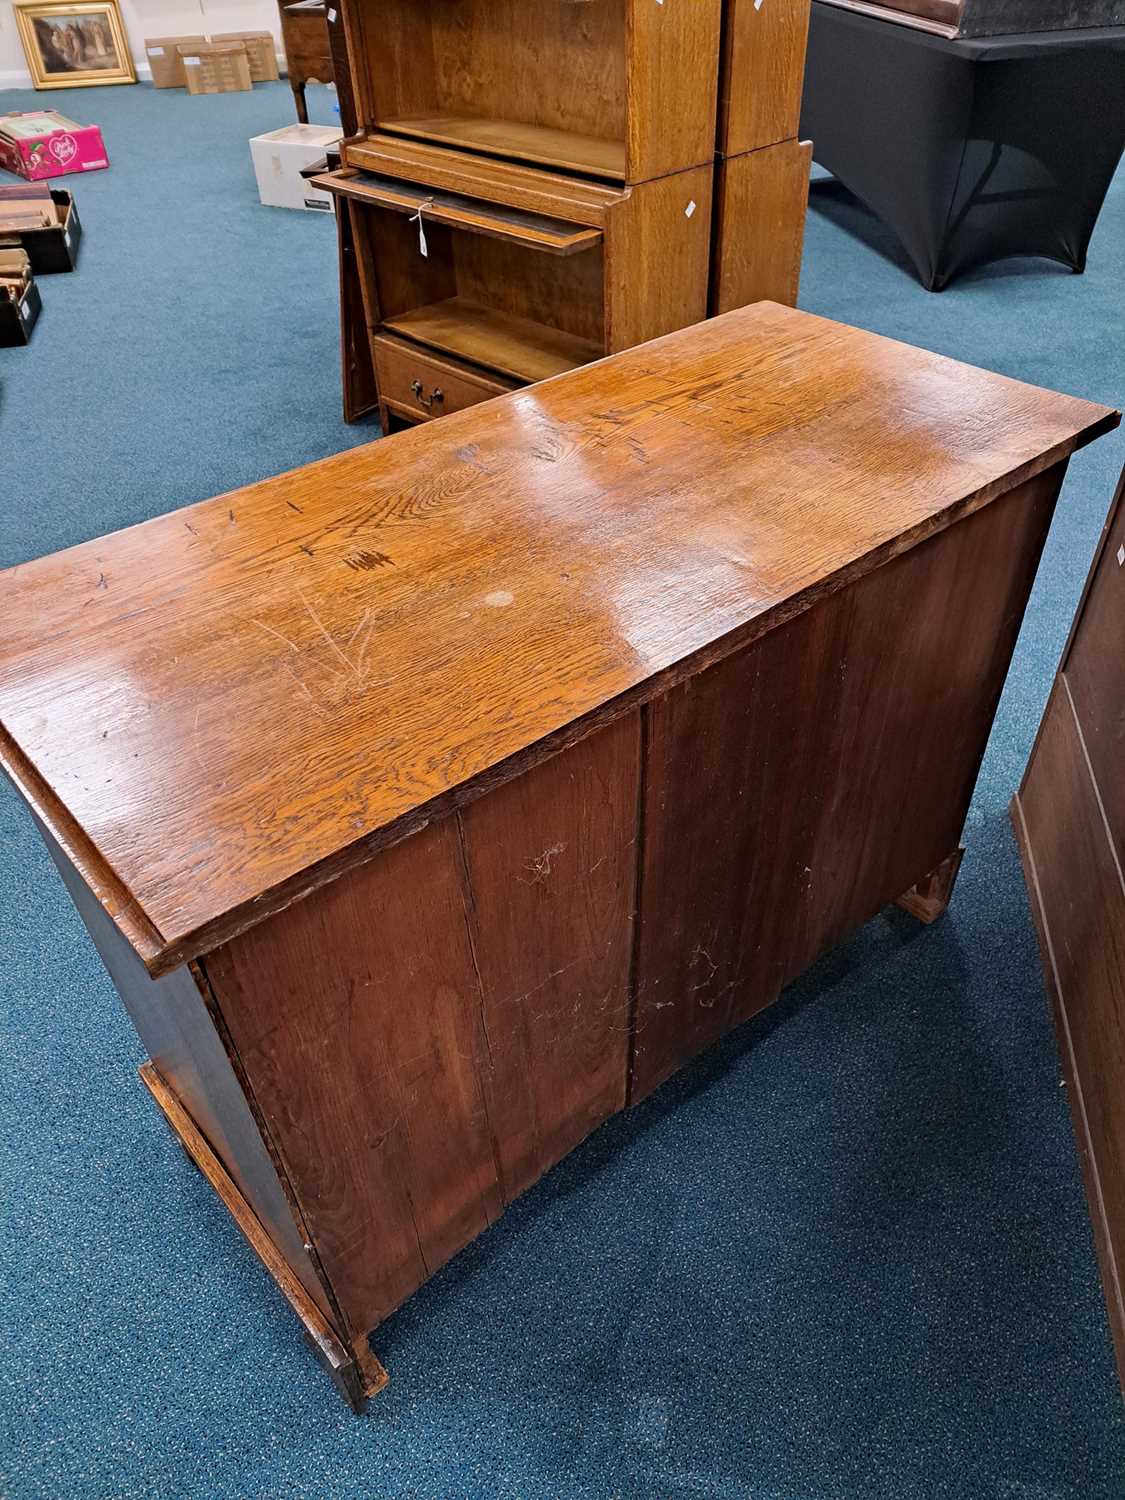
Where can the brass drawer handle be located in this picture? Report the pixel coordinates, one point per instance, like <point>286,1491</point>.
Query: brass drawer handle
<point>427,401</point>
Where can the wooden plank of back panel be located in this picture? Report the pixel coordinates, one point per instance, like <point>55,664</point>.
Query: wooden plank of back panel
<point>763,69</point>
<point>421,1050</point>
<point>356,1016</point>
<point>798,787</point>
<point>550,864</point>
<point>1076,886</point>
<point>426,613</point>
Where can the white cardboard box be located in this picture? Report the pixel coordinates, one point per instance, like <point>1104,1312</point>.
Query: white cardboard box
<point>278,157</point>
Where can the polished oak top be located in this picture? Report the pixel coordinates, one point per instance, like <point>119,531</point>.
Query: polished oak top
<point>219,709</point>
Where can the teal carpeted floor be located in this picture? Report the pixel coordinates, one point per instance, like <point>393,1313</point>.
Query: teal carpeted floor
<point>844,1257</point>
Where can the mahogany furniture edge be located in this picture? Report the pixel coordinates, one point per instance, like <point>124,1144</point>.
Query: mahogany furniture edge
<point>161,954</point>
<point>1061,705</point>
<point>118,901</point>
<point>1083,1137</point>
<point>355,1371</point>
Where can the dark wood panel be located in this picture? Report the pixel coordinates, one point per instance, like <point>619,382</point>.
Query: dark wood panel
<point>430,1033</point>
<point>357,1017</point>
<point>1095,672</point>
<point>550,862</point>
<point>771,827</point>
<point>426,614</point>
<point>360,392</point>
<point>174,1021</point>
<point>1079,901</point>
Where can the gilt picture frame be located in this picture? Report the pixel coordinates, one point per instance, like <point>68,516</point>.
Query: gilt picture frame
<point>74,43</point>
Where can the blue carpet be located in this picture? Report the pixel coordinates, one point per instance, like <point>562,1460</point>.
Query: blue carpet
<point>844,1257</point>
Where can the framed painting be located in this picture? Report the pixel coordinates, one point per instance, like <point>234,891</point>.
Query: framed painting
<point>74,43</point>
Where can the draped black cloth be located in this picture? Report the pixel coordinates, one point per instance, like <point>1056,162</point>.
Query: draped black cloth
<point>969,150</point>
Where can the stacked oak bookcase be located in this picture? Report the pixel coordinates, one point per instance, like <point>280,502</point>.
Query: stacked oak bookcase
<point>533,184</point>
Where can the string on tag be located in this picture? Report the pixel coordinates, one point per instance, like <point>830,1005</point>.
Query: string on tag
<point>422,246</point>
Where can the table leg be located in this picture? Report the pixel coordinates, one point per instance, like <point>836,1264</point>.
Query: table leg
<point>931,895</point>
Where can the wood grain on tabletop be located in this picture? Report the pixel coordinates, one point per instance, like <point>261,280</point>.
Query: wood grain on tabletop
<point>205,706</point>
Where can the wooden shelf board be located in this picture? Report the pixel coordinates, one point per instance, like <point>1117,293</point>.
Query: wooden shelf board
<point>511,346</point>
<point>555,148</point>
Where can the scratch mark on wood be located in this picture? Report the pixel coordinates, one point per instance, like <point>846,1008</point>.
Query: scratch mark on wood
<point>261,624</point>
<point>304,689</point>
<point>540,866</point>
<point>292,504</point>
<point>319,623</point>
<point>365,561</point>
<point>195,738</point>
<point>362,622</point>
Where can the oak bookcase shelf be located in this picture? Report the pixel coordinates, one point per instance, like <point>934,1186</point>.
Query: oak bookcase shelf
<point>520,142</point>
<point>518,348</point>
<point>527,185</point>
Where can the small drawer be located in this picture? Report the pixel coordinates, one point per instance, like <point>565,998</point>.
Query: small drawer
<point>420,385</point>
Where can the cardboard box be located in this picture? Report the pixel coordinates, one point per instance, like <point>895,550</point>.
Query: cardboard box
<point>261,50</point>
<point>216,68</point>
<point>165,61</point>
<point>20,303</point>
<point>53,247</point>
<point>44,143</point>
<point>278,158</point>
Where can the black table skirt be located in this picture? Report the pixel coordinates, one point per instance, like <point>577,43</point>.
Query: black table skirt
<point>969,150</point>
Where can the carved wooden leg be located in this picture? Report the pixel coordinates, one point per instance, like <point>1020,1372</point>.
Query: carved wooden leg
<point>354,1370</point>
<point>299,101</point>
<point>929,898</point>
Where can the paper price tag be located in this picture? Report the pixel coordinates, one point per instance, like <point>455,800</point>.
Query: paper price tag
<point>1121,557</point>
<point>690,209</point>
<point>156,52</point>
<point>191,62</point>
<point>423,248</point>
<point>331,18</point>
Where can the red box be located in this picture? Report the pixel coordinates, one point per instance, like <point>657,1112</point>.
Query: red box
<point>43,143</point>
